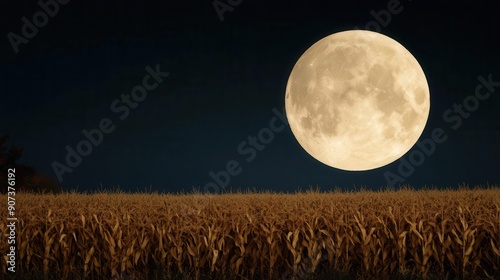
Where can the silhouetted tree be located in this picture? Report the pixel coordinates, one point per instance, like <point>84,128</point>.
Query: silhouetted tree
<point>27,179</point>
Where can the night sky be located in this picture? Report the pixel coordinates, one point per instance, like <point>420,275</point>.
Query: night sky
<point>226,82</point>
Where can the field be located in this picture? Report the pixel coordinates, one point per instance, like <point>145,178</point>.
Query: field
<point>404,234</point>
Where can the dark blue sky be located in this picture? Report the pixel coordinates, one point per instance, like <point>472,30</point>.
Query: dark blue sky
<point>225,78</point>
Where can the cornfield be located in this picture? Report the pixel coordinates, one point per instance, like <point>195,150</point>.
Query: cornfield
<point>446,234</point>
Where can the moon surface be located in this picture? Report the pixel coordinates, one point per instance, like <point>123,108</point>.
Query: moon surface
<point>357,100</point>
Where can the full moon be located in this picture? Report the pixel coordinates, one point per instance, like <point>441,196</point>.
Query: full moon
<point>357,100</point>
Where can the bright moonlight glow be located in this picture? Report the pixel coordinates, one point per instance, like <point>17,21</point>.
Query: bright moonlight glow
<point>357,100</point>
